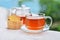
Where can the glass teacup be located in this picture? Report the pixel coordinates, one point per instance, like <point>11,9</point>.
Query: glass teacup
<point>37,23</point>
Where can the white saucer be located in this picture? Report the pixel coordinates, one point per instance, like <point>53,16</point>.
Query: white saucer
<point>24,28</point>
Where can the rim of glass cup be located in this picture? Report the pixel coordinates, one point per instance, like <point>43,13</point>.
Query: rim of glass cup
<point>35,16</point>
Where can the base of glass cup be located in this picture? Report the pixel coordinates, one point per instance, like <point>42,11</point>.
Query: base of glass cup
<point>24,28</point>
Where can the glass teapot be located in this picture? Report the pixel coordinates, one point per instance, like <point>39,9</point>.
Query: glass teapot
<point>17,17</point>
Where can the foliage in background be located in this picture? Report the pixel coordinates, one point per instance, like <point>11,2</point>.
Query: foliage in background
<point>20,2</point>
<point>55,26</point>
<point>51,8</point>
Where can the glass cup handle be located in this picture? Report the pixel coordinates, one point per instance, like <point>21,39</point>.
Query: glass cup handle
<point>50,19</point>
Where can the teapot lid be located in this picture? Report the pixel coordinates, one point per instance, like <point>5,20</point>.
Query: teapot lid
<point>25,7</point>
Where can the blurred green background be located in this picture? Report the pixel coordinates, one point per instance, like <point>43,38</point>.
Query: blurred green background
<point>50,8</point>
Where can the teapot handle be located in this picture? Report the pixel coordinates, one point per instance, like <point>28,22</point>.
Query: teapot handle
<point>13,10</point>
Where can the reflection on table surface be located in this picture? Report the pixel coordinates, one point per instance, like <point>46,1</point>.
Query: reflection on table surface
<point>6,34</point>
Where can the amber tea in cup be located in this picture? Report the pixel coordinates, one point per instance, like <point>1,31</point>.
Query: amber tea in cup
<point>36,22</point>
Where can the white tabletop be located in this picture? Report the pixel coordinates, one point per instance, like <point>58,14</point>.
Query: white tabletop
<point>6,34</point>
